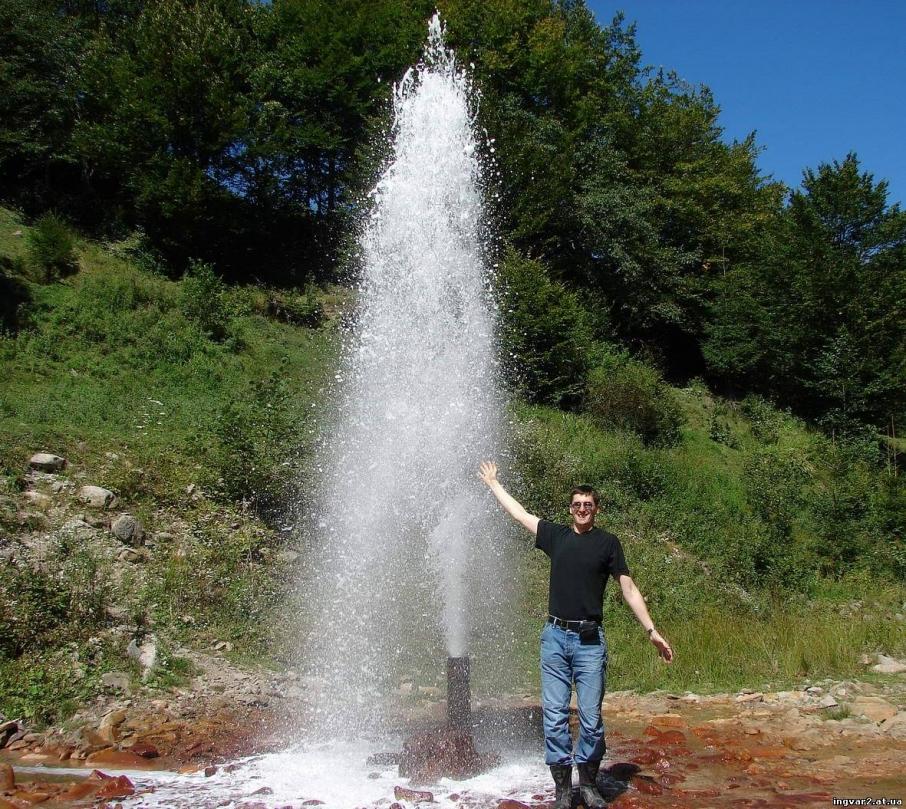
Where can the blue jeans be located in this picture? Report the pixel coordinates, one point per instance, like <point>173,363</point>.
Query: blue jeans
<point>566,660</point>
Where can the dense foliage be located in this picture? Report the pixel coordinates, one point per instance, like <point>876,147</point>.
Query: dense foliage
<point>240,134</point>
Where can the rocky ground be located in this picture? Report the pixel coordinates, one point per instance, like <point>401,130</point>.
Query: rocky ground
<point>752,749</point>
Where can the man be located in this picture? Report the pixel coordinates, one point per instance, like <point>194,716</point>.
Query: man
<point>573,646</point>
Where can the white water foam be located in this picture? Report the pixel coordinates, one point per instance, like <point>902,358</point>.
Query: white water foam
<point>333,774</point>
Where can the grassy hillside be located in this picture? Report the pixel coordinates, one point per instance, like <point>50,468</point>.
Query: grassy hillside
<point>767,551</point>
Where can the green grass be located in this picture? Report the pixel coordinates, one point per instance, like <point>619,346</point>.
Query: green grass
<point>750,535</point>
<point>113,371</point>
<point>750,549</point>
<point>113,365</point>
<point>723,650</point>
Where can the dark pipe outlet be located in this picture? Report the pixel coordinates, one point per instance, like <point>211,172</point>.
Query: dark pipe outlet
<point>459,695</point>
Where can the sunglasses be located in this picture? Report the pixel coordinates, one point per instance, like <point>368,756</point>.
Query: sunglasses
<point>586,506</point>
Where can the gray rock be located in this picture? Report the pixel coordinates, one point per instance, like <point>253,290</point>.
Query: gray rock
<point>134,555</point>
<point>128,529</point>
<point>889,665</point>
<point>895,725</point>
<point>876,709</point>
<point>828,701</point>
<point>46,462</point>
<point>117,680</point>
<point>96,497</point>
<point>144,653</point>
<point>38,500</point>
<point>8,731</point>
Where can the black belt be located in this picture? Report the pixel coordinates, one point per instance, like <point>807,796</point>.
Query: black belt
<point>573,625</point>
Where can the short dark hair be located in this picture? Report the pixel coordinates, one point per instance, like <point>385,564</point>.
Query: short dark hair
<point>584,490</point>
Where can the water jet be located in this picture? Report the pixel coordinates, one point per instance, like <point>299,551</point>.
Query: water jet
<point>406,546</point>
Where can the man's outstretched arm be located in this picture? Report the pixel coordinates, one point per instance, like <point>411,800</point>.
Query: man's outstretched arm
<point>633,597</point>
<point>488,473</point>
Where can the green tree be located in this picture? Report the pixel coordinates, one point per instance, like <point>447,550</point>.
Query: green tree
<point>39,55</point>
<point>546,333</point>
<point>819,321</point>
<point>618,179</point>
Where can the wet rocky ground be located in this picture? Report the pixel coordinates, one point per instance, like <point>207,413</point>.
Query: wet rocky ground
<point>751,749</point>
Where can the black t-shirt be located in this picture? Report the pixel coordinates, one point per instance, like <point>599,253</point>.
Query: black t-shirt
<point>580,565</point>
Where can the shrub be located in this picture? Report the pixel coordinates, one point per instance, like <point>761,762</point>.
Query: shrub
<point>775,480</point>
<point>51,248</point>
<point>546,333</point>
<point>765,420</point>
<point>202,300</point>
<point>14,295</point>
<point>258,457</point>
<point>297,308</point>
<point>858,510</point>
<point>625,394</point>
<point>68,595</point>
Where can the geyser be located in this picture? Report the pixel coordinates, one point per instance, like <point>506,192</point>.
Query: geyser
<point>407,549</point>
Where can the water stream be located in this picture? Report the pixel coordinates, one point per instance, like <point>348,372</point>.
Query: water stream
<point>406,551</point>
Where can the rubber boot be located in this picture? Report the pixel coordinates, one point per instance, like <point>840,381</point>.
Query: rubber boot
<point>588,785</point>
<point>563,778</point>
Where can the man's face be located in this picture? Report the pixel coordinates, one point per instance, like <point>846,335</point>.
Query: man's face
<point>583,509</point>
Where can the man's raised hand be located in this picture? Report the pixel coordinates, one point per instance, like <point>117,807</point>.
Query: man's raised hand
<point>487,471</point>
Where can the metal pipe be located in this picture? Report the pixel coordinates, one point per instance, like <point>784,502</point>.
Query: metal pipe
<point>459,695</point>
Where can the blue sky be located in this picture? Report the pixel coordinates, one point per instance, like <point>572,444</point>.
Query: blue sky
<point>814,78</point>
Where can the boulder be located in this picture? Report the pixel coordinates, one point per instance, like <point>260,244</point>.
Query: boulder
<point>827,701</point>
<point>889,665</point>
<point>118,786</point>
<point>133,555</point>
<point>117,680</point>
<point>38,500</point>
<point>412,795</point>
<point>46,462</point>
<point>876,709</point>
<point>128,529</point>
<point>144,653</point>
<point>9,730</point>
<point>7,777</point>
<point>96,496</point>
<point>895,725</point>
<point>109,729</point>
